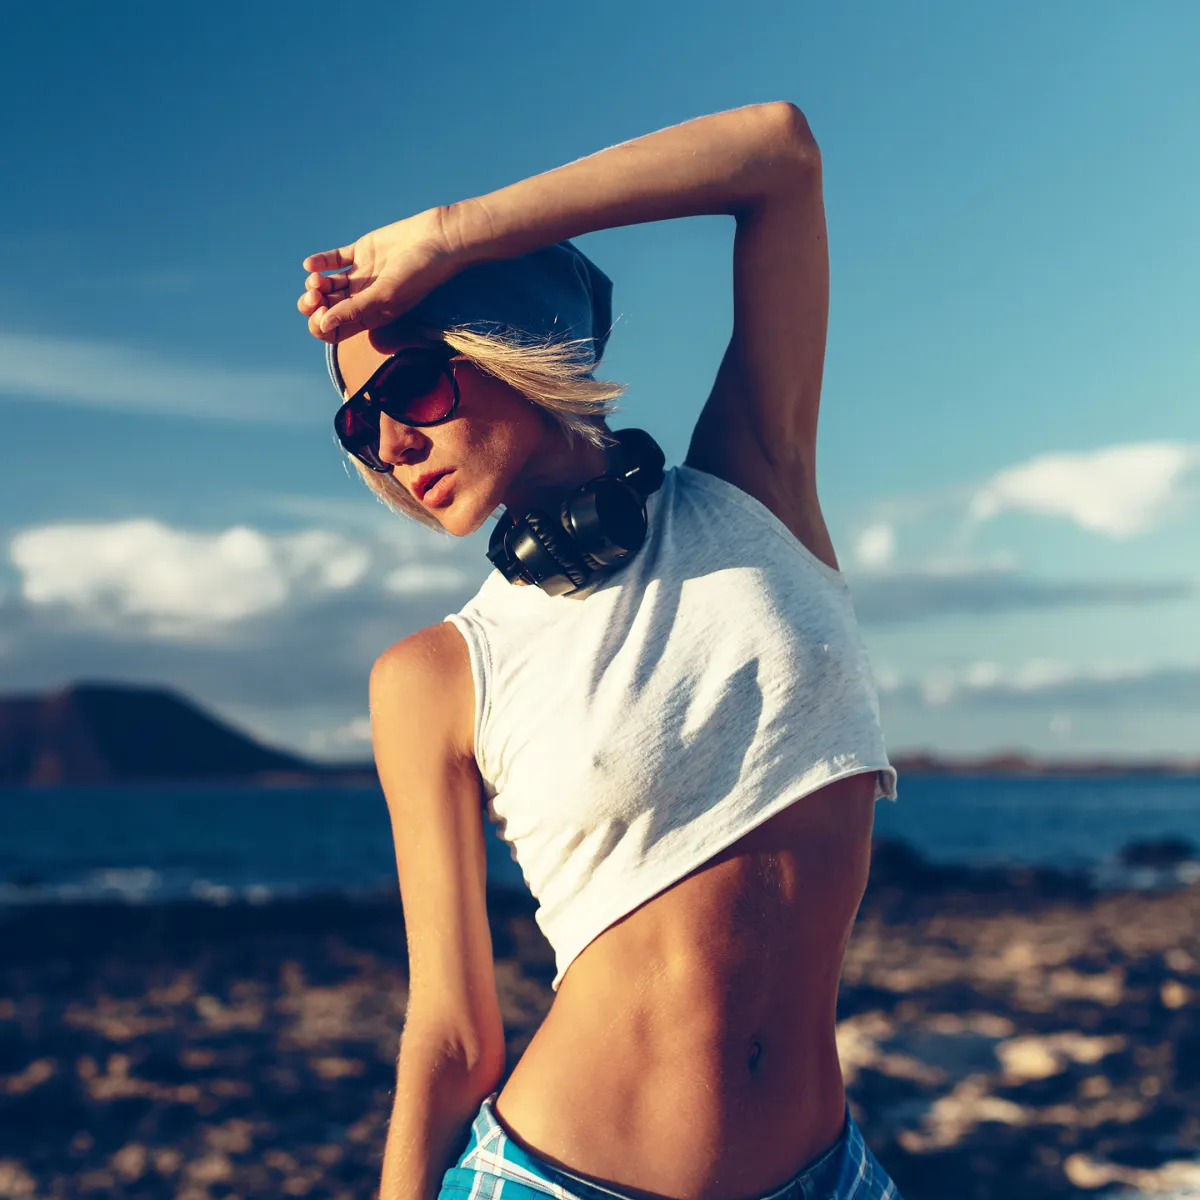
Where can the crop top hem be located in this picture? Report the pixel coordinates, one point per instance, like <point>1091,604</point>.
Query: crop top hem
<point>675,869</point>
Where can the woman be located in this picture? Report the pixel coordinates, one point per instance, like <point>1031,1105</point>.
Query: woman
<point>681,742</point>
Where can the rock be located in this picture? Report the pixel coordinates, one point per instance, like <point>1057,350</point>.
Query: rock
<point>1159,852</point>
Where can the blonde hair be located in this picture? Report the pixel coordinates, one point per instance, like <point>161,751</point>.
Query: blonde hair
<point>553,375</point>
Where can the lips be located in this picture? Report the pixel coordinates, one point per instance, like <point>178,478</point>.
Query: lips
<point>427,481</point>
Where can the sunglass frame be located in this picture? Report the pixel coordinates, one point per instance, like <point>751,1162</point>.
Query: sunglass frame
<point>358,404</point>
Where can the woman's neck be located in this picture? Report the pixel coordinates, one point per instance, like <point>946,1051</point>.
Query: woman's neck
<point>558,470</point>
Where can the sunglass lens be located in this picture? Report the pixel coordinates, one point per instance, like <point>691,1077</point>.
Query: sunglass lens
<point>417,393</point>
<point>354,429</point>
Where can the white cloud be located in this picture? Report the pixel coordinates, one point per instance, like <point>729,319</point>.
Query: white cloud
<point>982,674</point>
<point>144,579</point>
<point>128,379</point>
<point>940,589</point>
<point>179,581</point>
<point>938,687</point>
<point>1037,674</point>
<point>1046,683</point>
<point>353,737</point>
<point>361,512</point>
<point>1118,491</point>
<point>875,546</point>
<point>887,678</point>
<point>416,578</point>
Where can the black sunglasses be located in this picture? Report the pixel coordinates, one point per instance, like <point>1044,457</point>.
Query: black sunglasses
<point>414,386</point>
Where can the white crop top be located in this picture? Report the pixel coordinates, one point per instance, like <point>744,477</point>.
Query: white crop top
<point>630,731</point>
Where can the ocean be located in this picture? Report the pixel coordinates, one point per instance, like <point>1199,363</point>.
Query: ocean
<point>150,844</point>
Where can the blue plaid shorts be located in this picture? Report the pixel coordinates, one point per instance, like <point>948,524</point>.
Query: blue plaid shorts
<point>494,1167</point>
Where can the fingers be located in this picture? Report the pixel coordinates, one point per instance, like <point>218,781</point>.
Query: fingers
<point>328,283</point>
<point>337,305</point>
<point>314,324</point>
<point>346,315</point>
<point>322,290</point>
<point>311,301</point>
<point>339,321</point>
<point>330,260</point>
<point>333,323</point>
<point>351,315</point>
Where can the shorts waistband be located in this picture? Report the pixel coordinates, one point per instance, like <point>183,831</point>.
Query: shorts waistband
<point>846,1169</point>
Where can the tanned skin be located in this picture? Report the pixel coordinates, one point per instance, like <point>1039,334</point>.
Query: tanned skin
<point>690,1051</point>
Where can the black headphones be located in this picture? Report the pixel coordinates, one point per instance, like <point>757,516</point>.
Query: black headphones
<point>600,524</point>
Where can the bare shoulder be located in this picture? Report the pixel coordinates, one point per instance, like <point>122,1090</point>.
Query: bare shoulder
<point>421,726</point>
<point>423,683</point>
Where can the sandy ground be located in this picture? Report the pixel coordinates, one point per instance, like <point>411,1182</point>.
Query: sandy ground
<point>1003,1035</point>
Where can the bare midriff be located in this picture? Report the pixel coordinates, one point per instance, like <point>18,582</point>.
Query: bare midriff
<point>690,1049</point>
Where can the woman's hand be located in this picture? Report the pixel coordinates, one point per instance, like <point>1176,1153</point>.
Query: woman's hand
<point>378,278</point>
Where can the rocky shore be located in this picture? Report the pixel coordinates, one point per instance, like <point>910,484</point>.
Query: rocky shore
<point>1004,1033</point>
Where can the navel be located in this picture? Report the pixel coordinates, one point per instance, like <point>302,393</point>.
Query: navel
<point>755,1055</point>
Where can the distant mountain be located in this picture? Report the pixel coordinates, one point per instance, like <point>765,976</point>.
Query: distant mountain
<point>1013,762</point>
<point>92,733</point>
<point>114,733</point>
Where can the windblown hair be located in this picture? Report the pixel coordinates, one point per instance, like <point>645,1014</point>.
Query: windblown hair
<point>550,374</point>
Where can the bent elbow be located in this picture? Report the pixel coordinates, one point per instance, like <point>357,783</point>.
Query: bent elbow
<point>790,128</point>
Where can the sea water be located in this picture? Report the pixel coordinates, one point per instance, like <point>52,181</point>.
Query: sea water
<point>150,843</point>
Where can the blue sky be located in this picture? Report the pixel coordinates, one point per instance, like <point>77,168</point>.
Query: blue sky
<point>1009,455</point>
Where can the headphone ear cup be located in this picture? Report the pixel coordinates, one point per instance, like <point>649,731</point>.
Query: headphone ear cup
<point>607,519</point>
<point>498,551</point>
<point>561,549</point>
<point>559,544</point>
<point>639,460</point>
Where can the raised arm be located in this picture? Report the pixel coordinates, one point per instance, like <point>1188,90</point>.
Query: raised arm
<point>723,163</point>
<point>758,164</point>
<point>452,1049</point>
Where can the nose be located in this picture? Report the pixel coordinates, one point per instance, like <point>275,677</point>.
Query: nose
<point>398,441</point>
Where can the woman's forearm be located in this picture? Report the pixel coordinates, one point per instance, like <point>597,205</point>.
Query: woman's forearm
<point>721,163</point>
<point>435,1101</point>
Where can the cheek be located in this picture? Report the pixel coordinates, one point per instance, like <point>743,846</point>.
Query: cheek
<point>477,451</point>
<point>500,431</point>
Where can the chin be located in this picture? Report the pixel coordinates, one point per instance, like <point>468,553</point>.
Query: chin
<point>461,519</point>
<point>454,525</point>
<point>470,508</point>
